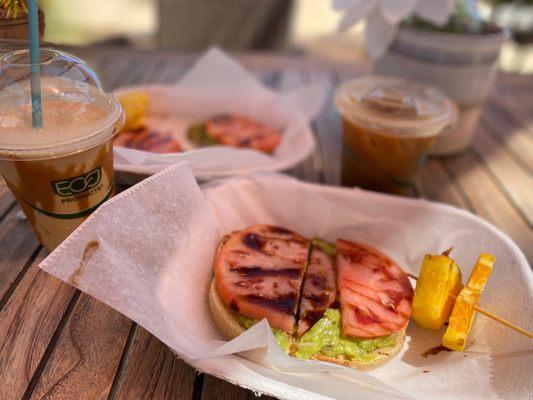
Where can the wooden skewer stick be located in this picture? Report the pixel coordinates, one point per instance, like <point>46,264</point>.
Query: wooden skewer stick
<point>504,322</point>
<point>495,317</point>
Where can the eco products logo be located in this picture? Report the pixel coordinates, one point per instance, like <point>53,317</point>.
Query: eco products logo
<point>79,184</point>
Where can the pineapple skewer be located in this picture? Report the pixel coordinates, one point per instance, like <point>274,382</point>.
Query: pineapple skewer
<point>440,296</point>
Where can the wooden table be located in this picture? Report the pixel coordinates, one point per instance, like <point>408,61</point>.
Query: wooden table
<point>56,342</point>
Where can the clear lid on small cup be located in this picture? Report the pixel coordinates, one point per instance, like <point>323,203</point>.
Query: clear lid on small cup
<point>395,107</point>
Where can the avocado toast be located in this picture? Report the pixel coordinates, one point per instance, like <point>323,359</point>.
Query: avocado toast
<point>312,293</point>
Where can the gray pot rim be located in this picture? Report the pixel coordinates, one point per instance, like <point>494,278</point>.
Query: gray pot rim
<point>450,66</point>
<point>473,38</point>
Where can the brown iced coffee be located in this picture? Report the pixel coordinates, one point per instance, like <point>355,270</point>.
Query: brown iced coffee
<point>62,172</point>
<point>388,127</point>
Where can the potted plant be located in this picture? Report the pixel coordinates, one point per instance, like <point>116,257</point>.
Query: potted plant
<point>443,43</point>
<point>14,19</point>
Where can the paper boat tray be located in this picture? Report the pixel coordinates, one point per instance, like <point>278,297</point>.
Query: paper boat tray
<point>148,253</point>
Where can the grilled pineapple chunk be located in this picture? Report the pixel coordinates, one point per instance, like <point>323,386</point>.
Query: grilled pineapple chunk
<point>463,311</point>
<point>438,285</point>
<point>135,106</point>
<point>481,272</point>
<point>461,320</point>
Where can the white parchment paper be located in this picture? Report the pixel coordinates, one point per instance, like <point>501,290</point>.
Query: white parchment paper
<point>153,263</point>
<point>218,84</point>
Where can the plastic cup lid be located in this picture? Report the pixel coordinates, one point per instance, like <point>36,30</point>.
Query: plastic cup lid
<point>395,106</point>
<point>77,113</point>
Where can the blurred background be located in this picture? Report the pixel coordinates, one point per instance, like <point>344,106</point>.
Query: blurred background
<point>290,26</point>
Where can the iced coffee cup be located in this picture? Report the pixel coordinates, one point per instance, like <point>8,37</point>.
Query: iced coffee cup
<point>61,172</point>
<point>388,127</point>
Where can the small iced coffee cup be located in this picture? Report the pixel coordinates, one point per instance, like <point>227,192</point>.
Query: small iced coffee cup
<point>61,172</point>
<point>389,125</point>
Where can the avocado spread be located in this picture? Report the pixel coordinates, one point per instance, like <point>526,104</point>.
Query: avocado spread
<point>282,338</point>
<point>326,247</point>
<point>198,134</point>
<point>325,337</point>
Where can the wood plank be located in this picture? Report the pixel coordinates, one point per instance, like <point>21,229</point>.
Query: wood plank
<point>311,168</point>
<point>488,201</point>
<point>514,137</point>
<point>140,71</point>
<point>515,102</point>
<point>154,75</point>
<point>121,73</point>
<point>515,182</point>
<point>83,363</point>
<point>152,371</point>
<point>433,182</point>
<point>264,60</point>
<point>138,74</point>
<point>96,62</point>
<point>27,324</point>
<point>18,244</point>
<point>217,389</point>
<point>508,81</point>
<point>172,71</point>
<point>111,74</point>
<point>520,81</point>
<point>131,71</point>
<point>328,126</point>
<point>165,70</point>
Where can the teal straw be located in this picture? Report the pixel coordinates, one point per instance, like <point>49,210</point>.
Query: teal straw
<point>33,29</point>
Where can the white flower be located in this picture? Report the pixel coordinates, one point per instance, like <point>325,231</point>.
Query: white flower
<point>383,17</point>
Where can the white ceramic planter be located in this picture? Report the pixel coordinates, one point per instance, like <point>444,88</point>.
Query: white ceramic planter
<point>463,66</point>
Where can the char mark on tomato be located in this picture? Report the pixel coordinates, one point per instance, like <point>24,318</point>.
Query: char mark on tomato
<point>254,241</point>
<point>255,271</point>
<point>279,230</point>
<point>365,316</point>
<point>221,118</point>
<point>285,303</point>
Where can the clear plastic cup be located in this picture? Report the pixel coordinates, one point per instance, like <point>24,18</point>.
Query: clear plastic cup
<point>63,171</point>
<point>388,127</point>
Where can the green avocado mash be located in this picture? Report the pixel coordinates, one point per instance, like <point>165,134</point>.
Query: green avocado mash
<point>198,135</point>
<point>282,339</point>
<point>325,337</point>
<point>326,247</point>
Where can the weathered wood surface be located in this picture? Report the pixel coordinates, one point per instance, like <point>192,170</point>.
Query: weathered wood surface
<point>151,371</point>
<point>58,343</point>
<point>86,355</point>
